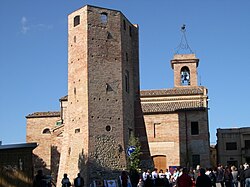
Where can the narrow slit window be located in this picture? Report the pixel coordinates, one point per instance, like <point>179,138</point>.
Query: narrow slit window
<point>124,25</point>
<point>76,20</point>
<point>127,81</point>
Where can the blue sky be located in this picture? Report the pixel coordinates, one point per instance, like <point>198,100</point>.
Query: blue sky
<point>33,54</point>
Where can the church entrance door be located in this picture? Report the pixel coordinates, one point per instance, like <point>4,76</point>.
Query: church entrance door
<point>160,162</point>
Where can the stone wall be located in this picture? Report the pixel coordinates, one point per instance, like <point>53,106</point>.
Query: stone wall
<point>39,130</point>
<point>102,73</point>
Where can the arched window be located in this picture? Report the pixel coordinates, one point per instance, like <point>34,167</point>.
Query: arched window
<point>104,17</point>
<point>46,131</point>
<point>76,20</point>
<point>185,76</point>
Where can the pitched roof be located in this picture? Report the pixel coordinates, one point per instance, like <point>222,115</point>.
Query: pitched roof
<point>64,98</point>
<point>174,99</point>
<point>174,91</point>
<point>171,106</point>
<point>44,114</point>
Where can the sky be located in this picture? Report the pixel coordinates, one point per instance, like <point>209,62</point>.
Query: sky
<point>33,54</point>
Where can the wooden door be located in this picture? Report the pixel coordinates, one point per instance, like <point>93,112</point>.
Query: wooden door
<point>160,162</point>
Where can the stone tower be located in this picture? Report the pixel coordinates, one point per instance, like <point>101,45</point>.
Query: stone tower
<point>103,84</point>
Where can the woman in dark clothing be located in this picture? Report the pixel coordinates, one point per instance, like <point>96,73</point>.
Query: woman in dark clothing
<point>124,179</point>
<point>241,176</point>
<point>203,180</point>
<point>228,177</point>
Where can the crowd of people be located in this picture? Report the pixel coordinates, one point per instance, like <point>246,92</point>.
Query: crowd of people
<point>228,176</point>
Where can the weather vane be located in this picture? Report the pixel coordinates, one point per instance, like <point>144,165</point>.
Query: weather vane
<point>183,46</point>
<point>183,28</point>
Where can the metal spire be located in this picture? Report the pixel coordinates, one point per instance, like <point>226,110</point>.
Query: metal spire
<point>183,47</point>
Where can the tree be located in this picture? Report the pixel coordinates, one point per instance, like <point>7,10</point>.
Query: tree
<point>134,158</point>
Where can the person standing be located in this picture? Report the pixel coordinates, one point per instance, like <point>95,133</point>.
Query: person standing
<point>228,177</point>
<point>124,179</point>
<point>65,181</point>
<point>220,175</point>
<point>39,179</point>
<point>168,174</point>
<point>235,176</point>
<point>79,181</point>
<point>247,176</point>
<point>212,177</point>
<point>154,176</point>
<point>241,176</point>
<point>203,180</point>
<point>184,180</point>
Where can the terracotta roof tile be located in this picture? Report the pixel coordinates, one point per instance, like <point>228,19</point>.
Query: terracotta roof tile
<point>44,114</point>
<point>64,98</point>
<point>173,91</point>
<point>171,107</point>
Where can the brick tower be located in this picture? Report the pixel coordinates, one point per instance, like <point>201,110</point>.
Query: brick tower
<point>103,84</point>
<point>185,69</point>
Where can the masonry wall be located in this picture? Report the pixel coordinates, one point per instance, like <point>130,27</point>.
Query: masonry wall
<point>194,144</point>
<point>35,133</point>
<point>101,81</point>
<point>238,154</point>
<point>163,137</point>
<point>170,135</point>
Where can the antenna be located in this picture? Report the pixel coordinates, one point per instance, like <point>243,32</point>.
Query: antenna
<point>183,46</point>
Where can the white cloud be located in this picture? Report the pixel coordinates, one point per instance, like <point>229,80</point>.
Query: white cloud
<point>24,26</point>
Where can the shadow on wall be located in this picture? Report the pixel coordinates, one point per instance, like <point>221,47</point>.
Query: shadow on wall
<point>39,163</point>
<point>99,172</point>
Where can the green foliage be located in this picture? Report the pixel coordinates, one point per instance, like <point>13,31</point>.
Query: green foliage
<point>134,158</point>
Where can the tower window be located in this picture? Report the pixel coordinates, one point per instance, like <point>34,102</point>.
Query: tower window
<point>46,131</point>
<point>127,81</point>
<point>74,39</point>
<point>104,17</point>
<point>124,25</point>
<point>76,20</point>
<point>130,31</point>
<point>130,132</point>
<point>185,76</point>
<point>156,129</point>
<point>77,130</point>
<point>194,128</point>
<point>108,128</point>
<point>127,57</point>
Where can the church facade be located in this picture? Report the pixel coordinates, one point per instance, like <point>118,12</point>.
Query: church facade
<point>105,106</point>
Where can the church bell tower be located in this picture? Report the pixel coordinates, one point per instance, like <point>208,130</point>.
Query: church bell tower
<point>184,64</point>
<point>185,69</point>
